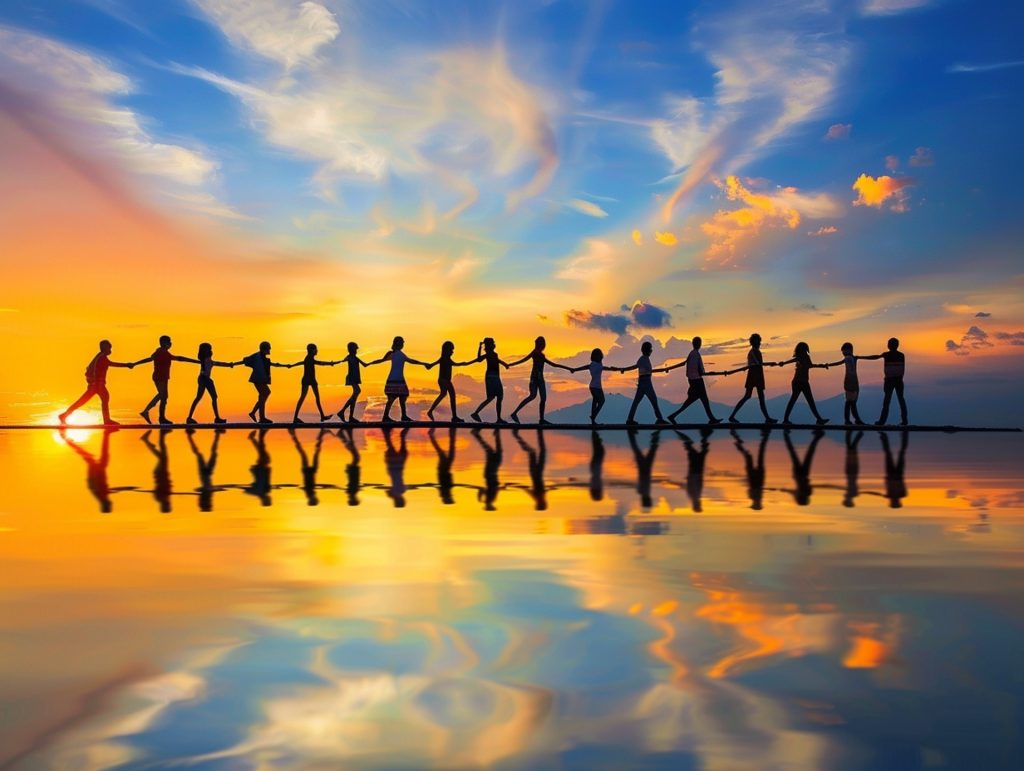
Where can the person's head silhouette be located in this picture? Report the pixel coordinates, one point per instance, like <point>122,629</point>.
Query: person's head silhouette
<point>352,348</point>
<point>893,344</point>
<point>540,343</point>
<point>106,347</point>
<point>264,347</point>
<point>165,341</point>
<point>311,349</point>
<point>597,355</point>
<point>205,351</point>
<point>802,349</point>
<point>755,340</point>
<point>489,344</point>
<point>847,349</point>
<point>447,348</point>
<point>646,348</point>
<point>398,343</point>
<point>697,342</point>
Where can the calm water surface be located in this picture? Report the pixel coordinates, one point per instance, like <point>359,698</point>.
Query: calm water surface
<point>502,600</point>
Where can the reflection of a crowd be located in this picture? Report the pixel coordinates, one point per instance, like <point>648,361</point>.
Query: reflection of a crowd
<point>644,447</point>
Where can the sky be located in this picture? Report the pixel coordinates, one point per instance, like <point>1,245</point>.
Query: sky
<point>594,172</point>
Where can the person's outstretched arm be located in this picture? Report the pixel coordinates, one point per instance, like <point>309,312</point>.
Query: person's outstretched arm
<point>225,363</point>
<point>190,360</point>
<point>837,363</point>
<point>518,361</point>
<point>820,366</point>
<point>671,367</point>
<point>784,363</point>
<point>505,364</point>
<point>319,363</point>
<point>417,361</point>
<point>627,369</point>
<point>872,357</point>
<point>142,361</point>
<point>125,364</point>
<point>285,366</point>
<point>557,365</point>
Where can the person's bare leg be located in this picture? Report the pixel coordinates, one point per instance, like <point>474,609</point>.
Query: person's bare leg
<point>298,405</point>
<point>476,413</point>
<point>316,395</point>
<point>401,403</point>
<point>195,403</point>
<point>451,400</point>
<point>387,409</point>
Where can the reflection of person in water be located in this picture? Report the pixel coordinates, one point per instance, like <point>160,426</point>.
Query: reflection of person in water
<point>755,470</point>
<point>96,475</point>
<point>161,471</point>
<point>596,466</point>
<point>802,468</point>
<point>206,467</point>
<point>445,459</point>
<point>852,468</point>
<point>352,469</point>
<point>309,470</point>
<point>492,465</point>
<point>537,459</point>
<point>260,470</point>
<point>394,461</point>
<point>895,482</point>
<point>695,467</point>
<point>644,465</point>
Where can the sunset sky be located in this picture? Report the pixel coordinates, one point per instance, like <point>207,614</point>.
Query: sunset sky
<point>325,171</point>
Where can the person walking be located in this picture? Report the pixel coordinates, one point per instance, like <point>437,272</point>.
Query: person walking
<point>802,381</point>
<point>851,384</point>
<point>204,383</point>
<point>395,386</point>
<point>597,369</point>
<point>644,386</point>
<point>488,351</point>
<point>755,381</point>
<point>894,364</point>
<point>353,379</point>
<point>695,373</point>
<point>261,365</point>
<point>309,382</point>
<point>96,384</point>
<point>161,358</point>
<point>537,385</point>
<point>444,364</point>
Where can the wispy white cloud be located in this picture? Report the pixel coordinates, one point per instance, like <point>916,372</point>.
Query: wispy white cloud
<point>589,208</point>
<point>988,67</point>
<point>891,7</point>
<point>283,30</point>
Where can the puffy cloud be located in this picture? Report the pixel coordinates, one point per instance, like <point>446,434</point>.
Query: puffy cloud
<point>882,191</point>
<point>638,238</point>
<point>892,162</point>
<point>890,7</point>
<point>649,316</point>
<point>1011,338</point>
<point>666,238</point>
<point>922,156</point>
<point>449,117</point>
<point>975,338</point>
<point>824,230</point>
<point>838,131</point>
<point>775,69</point>
<point>606,322</point>
<point>282,30</point>
<point>589,208</point>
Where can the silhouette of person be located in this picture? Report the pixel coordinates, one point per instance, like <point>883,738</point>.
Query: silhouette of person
<point>755,470</point>
<point>309,383</point>
<point>352,469</point>
<point>851,384</point>
<point>395,386</point>
<point>487,352</point>
<point>695,467</point>
<point>161,471</point>
<point>206,467</point>
<point>536,460</point>
<point>445,459</point>
<point>894,364</point>
<point>260,364</point>
<point>492,465</point>
<point>644,386</point>
<point>309,470</point>
<point>802,381</point>
<point>644,466</point>
<point>802,468</point>
<point>205,382</point>
<point>96,384</point>
<point>260,470</point>
<point>895,470</point>
<point>353,379</point>
<point>444,379</point>
<point>161,358</point>
<point>596,368</point>
<point>537,385</point>
<point>755,380</point>
<point>852,466</point>
<point>596,466</point>
<point>695,373</point>
<point>96,474</point>
<point>394,461</point>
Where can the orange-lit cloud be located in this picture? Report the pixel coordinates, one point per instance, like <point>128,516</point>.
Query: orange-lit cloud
<point>729,229</point>
<point>638,238</point>
<point>838,131</point>
<point>666,238</point>
<point>883,191</point>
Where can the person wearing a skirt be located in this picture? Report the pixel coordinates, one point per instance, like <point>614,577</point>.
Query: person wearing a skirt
<point>395,386</point>
<point>755,380</point>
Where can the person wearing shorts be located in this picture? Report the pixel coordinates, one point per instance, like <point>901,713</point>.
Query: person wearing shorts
<point>493,390</point>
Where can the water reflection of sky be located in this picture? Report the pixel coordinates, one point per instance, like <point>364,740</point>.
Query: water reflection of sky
<point>465,600</point>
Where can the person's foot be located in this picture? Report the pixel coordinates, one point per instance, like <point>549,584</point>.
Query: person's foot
<point>387,419</point>
<point>733,419</point>
<point>252,416</point>
<point>265,421</point>
<point>593,420</point>
<point>770,421</point>
<point>353,419</point>
<point>457,419</point>
<point>859,423</point>
<point>714,421</point>
<point>324,418</point>
<point>904,423</point>
<point>672,420</point>
<point>192,421</point>
<point>821,421</point>
<point>632,423</point>
<point>502,421</point>
<point>430,415</point>
<point>297,419</point>
<point>406,419</point>
<point>662,422</point>
<point>109,422</point>
<point>220,420</point>
<point>544,422</point>
<point>145,416</point>
<point>341,414</point>
<point>879,422</point>
<point>63,418</point>
<point>475,417</point>
<point>847,423</point>
<point>165,422</point>
<point>515,418</point>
